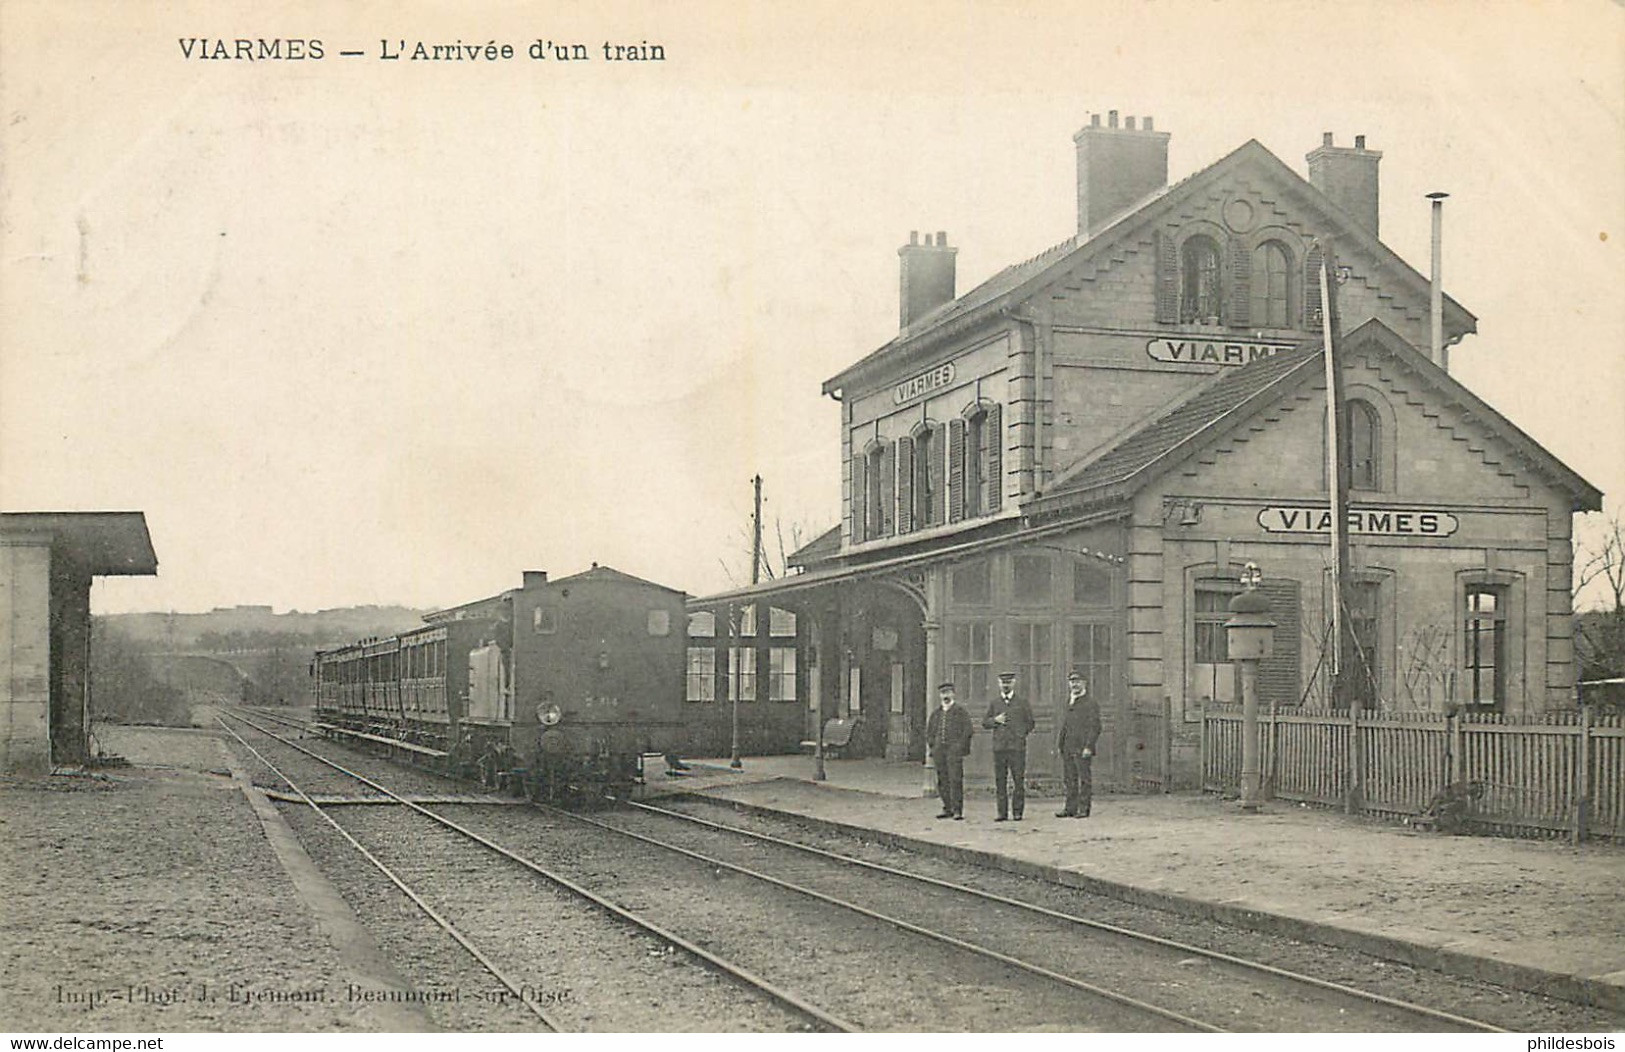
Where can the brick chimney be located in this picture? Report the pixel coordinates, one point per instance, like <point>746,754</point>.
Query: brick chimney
<point>534,578</point>
<point>1117,167</point>
<point>1349,177</point>
<point>927,276</point>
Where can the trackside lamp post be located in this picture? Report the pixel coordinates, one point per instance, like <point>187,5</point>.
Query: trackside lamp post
<point>1250,638</point>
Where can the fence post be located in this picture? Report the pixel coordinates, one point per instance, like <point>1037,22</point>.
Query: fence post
<point>1453,772</point>
<point>1355,801</point>
<point>1167,743</point>
<point>1582,802</point>
<point>1274,751</point>
<point>1201,750</point>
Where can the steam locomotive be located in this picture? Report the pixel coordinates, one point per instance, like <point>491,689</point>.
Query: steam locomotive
<point>557,688</point>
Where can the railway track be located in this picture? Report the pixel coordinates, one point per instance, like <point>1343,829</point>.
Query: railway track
<point>521,992</point>
<point>958,957</point>
<point>1313,1003</point>
<point>805,869</point>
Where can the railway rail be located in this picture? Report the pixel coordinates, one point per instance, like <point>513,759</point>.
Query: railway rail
<point>1390,1013</point>
<point>794,1003</point>
<point>1404,1014</point>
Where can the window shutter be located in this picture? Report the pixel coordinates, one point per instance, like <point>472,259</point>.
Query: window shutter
<point>956,470</point>
<point>1311,288</point>
<point>905,485</point>
<point>1167,278</point>
<point>888,521</point>
<point>993,469</point>
<point>1278,674</point>
<point>1241,283</point>
<point>934,471</point>
<point>858,491</point>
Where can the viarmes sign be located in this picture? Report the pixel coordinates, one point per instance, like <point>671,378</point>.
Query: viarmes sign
<point>1204,350</point>
<point>1375,522</point>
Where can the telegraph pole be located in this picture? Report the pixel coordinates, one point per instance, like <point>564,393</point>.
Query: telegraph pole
<point>735,761</point>
<point>756,543</point>
<point>1339,464</point>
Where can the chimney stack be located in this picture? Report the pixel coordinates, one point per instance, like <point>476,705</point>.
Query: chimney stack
<point>535,578</point>
<point>1117,167</point>
<point>1349,177</point>
<point>927,276</point>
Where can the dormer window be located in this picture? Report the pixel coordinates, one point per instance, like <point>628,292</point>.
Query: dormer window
<point>1199,292</point>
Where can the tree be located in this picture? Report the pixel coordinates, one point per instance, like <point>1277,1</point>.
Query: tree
<point>1599,569</point>
<point>125,688</point>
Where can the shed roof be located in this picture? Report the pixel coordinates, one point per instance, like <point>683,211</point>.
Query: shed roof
<point>104,543</point>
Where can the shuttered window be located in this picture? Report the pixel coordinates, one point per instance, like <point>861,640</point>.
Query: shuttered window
<point>929,498</point>
<point>993,471</point>
<point>905,485</point>
<point>859,492</point>
<point>1270,266</point>
<point>1213,674</point>
<point>1313,263</point>
<point>975,463</point>
<point>1199,281</point>
<point>1167,278</point>
<point>956,470</point>
<point>1239,309</point>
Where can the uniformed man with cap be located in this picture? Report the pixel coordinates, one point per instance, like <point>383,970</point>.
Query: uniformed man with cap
<point>1010,719</point>
<point>1080,730</point>
<point>948,730</point>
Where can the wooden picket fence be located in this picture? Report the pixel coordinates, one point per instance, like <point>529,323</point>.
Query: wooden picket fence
<point>1556,774</point>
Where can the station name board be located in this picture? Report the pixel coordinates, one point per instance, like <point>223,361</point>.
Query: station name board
<point>1378,522</point>
<point>924,384</point>
<point>1202,350</point>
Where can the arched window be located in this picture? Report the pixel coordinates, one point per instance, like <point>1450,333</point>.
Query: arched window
<point>1271,265</point>
<point>1199,280</point>
<point>1365,444</point>
<point>876,477</point>
<point>927,477</point>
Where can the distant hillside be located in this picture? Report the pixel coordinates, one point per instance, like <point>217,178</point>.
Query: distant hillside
<point>248,626</point>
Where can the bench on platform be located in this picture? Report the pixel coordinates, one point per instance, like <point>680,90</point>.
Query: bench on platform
<point>837,735</point>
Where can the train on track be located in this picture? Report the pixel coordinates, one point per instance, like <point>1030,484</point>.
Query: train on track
<point>558,688</point>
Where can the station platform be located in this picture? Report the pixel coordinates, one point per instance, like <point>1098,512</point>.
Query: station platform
<point>1538,915</point>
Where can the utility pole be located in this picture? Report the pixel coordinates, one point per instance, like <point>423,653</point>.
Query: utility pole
<point>735,761</point>
<point>1339,464</point>
<point>756,543</point>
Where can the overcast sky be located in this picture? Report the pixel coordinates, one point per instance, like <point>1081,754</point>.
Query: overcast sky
<point>358,331</point>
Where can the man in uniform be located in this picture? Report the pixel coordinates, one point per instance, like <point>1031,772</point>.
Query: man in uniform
<point>1080,729</point>
<point>948,730</point>
<point>1010,719</point>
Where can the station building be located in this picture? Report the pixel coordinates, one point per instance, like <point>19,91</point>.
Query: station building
<point>47,561</point>
<point>1069,465</point>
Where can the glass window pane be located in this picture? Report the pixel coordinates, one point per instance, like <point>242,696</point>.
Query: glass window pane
<point>1032,580</point>
<point>1091,585</point>
<point>973,583</point>
<point>781,622</point>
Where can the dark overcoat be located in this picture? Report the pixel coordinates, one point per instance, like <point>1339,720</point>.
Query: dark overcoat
<point>959,730</point>
<point>1080,726</point>
<point>1010,736</point>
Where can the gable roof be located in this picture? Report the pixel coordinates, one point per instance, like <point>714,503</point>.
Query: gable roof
<point>1018,282</point>
<point>817,550</point>
<point>1226,403</point>
<point>610,574</point>
<point>596,573</point>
